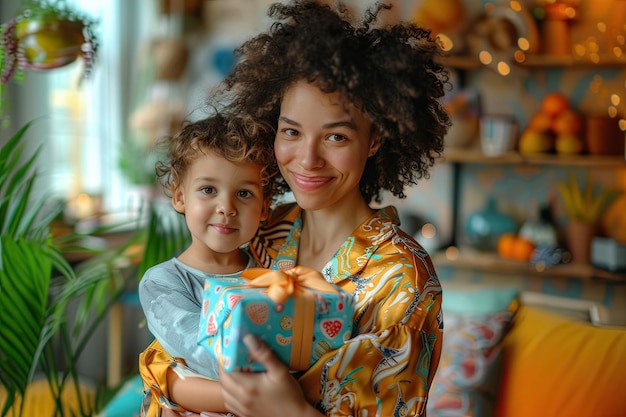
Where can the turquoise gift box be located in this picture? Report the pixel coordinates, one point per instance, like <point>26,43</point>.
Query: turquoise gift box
<point>296,312</point>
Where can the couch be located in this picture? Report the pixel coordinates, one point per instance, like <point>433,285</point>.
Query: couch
<point>508,354</point>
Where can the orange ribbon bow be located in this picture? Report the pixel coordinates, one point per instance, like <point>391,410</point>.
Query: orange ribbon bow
<point>284,284</point>
<point>294,282</point>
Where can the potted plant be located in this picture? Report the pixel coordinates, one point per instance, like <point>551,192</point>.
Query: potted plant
<point>37,284</point>
<point>584,207</point>
<point>45,34</point>
<point>50,309</point>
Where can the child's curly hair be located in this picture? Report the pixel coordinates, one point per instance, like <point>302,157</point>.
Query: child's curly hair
<point>236,138</point>
<point>389,72</point>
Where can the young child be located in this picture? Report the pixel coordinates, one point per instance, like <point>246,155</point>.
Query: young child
<point>218,177</point>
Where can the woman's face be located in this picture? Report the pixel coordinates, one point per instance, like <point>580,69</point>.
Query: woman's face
<point>322,145</point>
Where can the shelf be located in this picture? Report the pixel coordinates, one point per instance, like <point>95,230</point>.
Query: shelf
<point>475,156</point>
<point>540,61</point>
<point>491,262</point>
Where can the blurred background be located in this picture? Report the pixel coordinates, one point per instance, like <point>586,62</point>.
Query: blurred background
<point>538,102</point>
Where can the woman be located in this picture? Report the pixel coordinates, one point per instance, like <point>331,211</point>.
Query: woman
<point>357,112</point>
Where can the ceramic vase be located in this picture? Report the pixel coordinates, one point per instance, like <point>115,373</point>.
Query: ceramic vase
<point>484,228</point>
<point>579,237</point>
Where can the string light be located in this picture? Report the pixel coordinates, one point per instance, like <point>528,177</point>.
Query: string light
<point>485,57</point>
<point>493,55</point>
<point>504,68</point>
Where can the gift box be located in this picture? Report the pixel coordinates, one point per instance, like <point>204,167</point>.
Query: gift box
<point>296,312</point>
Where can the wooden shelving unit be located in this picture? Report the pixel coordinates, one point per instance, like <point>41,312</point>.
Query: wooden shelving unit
<point>540,61</point>
<point>475,156</point>
<point>472,259</point>
<point>469,258</point>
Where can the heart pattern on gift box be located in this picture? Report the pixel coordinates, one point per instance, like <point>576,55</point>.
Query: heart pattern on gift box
<point>331,328</point>
<point>258,313</point>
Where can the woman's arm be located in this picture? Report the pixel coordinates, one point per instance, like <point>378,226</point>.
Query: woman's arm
<point>264,394</point>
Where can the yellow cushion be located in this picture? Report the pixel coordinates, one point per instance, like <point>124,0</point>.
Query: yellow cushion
<point>559,367</point>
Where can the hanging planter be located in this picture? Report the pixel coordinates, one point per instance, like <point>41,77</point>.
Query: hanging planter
<point>46,34</point>
<point>49,43</point>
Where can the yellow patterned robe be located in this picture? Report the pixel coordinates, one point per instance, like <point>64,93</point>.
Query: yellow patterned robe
<point>387,367</point>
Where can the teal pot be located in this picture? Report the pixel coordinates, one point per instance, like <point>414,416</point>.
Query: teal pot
<point>484,228</point>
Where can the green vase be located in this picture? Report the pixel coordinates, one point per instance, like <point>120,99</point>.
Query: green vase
<point>484,228</point>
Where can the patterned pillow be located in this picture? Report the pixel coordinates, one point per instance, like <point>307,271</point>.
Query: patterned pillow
<point>475,322</point>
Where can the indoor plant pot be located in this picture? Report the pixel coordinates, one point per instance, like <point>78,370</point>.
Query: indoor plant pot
<point>44,35</point>
<point>49,42</point>
<point>585,207</point>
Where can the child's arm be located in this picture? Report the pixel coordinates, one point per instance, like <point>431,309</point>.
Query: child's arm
<point>195,394</point>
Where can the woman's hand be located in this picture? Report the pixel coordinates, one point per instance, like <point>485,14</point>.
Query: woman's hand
<point>271,393</point>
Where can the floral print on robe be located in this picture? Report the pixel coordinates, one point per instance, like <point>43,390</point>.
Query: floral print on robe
<point>387,367</point>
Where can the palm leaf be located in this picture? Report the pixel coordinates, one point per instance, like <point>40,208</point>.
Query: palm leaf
<point>34,303</point>
<point>24,304</point>
<point>16,182</point>
<point>27,261</point>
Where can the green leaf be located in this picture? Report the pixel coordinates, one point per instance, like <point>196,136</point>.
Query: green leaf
<point>167,236</point>
<point>24,284</point>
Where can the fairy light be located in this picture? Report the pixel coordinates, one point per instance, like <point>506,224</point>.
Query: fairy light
<point>580,50</point>
<point>445,41</point>
<point>616,108</point>
<point>570,12</point>
<point>501,60</point>
<point>452,253</point>
<point>523,44</point>
<point>429,231</point>
<point>485,57</point>
<point>591,49</point>
<point>615,100</point>
<point>504,68</point>
<point>515,5</point>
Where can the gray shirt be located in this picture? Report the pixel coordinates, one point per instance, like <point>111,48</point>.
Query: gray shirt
<point>171,298</point>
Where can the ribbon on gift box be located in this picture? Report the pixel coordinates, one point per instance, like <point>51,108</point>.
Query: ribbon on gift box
<point>294,282</point>
<point>284,284</point>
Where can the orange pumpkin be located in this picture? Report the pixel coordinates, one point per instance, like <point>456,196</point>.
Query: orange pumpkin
<point>505,245</point>
<point>514,247</point>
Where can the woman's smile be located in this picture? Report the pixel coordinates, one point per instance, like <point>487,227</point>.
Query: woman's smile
<point>310,183</point>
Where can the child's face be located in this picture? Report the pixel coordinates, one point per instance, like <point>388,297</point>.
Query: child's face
<point>222,202</point>
<point>321,147</point>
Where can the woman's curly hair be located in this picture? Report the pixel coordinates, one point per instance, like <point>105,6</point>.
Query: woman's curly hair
<point>236,138</point>
<point>389,72</point>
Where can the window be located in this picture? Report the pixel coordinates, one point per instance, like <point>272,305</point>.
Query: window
<point>80,123</point>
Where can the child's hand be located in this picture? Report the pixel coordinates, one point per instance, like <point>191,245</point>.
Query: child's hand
<point>271,393</point>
